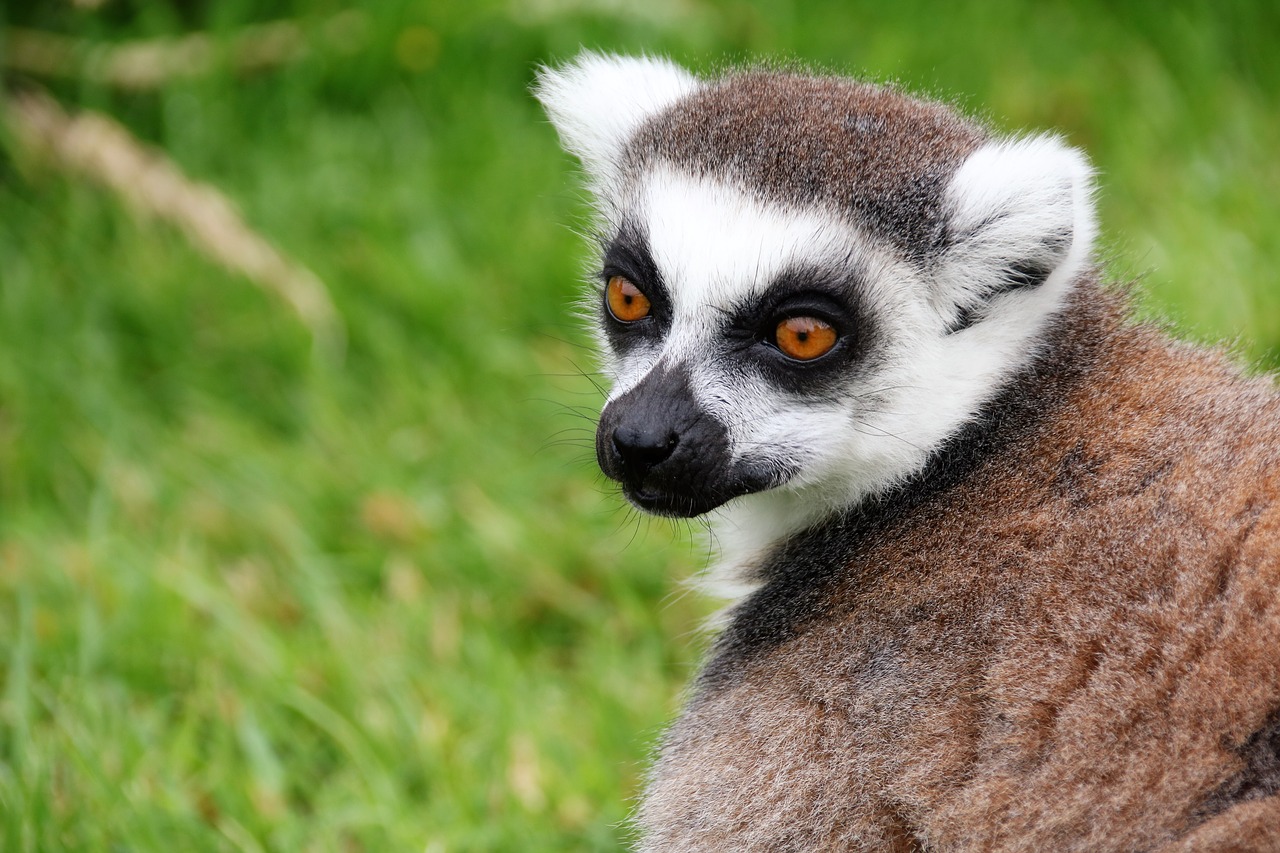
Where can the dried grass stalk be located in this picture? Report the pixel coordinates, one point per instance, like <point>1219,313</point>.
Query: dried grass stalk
<point>95,147</point>
<point>150,63</point>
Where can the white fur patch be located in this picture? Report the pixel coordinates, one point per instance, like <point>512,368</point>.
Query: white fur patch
<point>1017,200</point>
<point>597,101</point>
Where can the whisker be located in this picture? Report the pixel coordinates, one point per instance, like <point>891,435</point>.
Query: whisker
<point>873,431</point>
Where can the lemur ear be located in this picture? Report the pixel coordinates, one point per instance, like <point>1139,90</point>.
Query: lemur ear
<point>596,102</point>
<point>1020,216</point>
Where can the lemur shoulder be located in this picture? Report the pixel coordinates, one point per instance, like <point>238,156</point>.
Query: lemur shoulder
<point>1006,560</point>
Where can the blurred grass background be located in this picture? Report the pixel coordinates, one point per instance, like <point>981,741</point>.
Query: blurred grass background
<point>269,586</point>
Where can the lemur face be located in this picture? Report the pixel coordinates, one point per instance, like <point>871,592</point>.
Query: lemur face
<point>739,333</point>
<point>805,284</point>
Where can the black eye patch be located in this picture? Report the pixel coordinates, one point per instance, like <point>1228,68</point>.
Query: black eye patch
<point>835,297</point>
<point>627,254</point>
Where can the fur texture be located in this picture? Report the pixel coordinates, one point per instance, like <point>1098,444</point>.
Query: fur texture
<point>1004,562</point>
<point>1067,644</point>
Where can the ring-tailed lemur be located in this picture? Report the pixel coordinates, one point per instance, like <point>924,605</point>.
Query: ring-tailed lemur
<point>1008,562</point>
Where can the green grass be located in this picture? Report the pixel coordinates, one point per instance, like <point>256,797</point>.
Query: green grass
<point>259,596</point>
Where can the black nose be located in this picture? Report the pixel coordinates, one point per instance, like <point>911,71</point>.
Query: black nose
<point>642,449</point>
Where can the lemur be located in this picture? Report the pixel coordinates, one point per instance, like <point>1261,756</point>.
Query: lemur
<point>1006,562</point>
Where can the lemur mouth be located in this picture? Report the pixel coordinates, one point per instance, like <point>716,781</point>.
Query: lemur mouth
<point>670,504</point>
<point>681,500</point>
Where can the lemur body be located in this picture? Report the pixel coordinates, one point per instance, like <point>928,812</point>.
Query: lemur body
<point>1006,562</point>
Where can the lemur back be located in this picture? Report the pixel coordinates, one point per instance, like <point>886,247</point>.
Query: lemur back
<point>1005,561</point>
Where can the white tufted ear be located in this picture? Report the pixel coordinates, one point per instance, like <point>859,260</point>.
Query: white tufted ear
<point>596,103</point>
<point>1020,216</point>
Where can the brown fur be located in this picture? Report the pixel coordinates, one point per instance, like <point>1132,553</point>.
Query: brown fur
<point>1073,646</point>
<point>854,147</point>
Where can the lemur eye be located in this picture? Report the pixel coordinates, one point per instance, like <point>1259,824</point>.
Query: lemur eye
<point>625,301</point>
<point>805,338</point>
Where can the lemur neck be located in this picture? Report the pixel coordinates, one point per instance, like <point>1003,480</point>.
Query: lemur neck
<point>1073,342</point>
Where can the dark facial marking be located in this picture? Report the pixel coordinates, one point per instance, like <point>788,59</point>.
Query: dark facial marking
<point>627,254</point>
<point>834,296</point>
<point>671,456</point>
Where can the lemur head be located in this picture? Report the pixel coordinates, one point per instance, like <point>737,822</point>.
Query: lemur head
<point>807,284</point>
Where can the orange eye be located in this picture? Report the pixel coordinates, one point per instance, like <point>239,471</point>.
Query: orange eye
<point>805,338</point>
<point>625,300</point>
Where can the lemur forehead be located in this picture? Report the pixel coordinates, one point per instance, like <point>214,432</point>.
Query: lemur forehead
<point>715,244</point>
<point>865,151</point>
